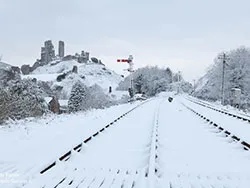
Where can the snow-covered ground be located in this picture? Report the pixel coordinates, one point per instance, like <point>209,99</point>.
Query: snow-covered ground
<point>190,153</point>
<point>237,127</point>
<point>28,146</point>
<point>42,77</point>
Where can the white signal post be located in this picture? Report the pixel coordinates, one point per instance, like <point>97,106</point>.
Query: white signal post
<point>130,69</point>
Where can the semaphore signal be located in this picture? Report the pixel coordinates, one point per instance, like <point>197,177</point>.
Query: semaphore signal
<point>122,60</point>
<point>129,61</point>
<point>130,69</point>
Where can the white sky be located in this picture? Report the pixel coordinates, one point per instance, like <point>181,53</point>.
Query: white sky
<point>182,35</point>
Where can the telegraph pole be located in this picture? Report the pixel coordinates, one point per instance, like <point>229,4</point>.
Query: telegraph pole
<point>179,81</point>
<point>194,84</point>
<point>224,58</point>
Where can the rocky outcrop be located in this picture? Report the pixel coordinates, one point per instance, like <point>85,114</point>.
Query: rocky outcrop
<point>94,59</point>
<point>74,70</point>
<point>8,72</point>
<point>16,69</point>
<point>35,65</point>
<point>26,69</point>
<point>6,75</point>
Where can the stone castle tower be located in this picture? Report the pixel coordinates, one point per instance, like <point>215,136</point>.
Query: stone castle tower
<point>61,49</point>
<point>47,52</point>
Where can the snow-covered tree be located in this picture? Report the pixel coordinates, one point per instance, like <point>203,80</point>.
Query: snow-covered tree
<point>84,98</point>
<point>150,80</point>
<point>77,97</point>
<point>237,75</point>
<point>169,75</point>
<point>20,99</point>
<point>96,98</point>
<point>138,82</point>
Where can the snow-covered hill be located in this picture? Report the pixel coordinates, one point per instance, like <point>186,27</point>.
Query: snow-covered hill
<point>5,66</point>
<point>8,72</point>
<point>89,73</point>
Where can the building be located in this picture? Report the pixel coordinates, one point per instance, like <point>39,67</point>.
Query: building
<point>61,49</point>
<point>57,106</point>
<point>54,105</point>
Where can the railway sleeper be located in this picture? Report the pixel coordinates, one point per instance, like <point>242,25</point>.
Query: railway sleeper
<point>65,155</point>
<point>48,167</point>
<point>245,144</point>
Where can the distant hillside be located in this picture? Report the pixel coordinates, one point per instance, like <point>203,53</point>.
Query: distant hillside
<point>62,77</point>
<point>5,66</point>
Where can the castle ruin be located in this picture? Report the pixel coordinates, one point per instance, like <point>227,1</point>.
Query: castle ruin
<point>47,52</point>
<point>61,49</point>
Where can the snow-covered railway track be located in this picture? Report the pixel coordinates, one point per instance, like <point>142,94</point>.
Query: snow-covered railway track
<point>76,173</point>
<point>190,155</point>
<point>79,147</point>
<point>240,117</point>
<point>220,129</point>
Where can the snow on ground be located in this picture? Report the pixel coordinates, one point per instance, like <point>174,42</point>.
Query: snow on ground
<point>42,77</point>
<point>53,68</point>
<point>237,127</point>
<point>193,155</point>
<point>30,146</point>
<point>190,153</point>
<point>125,145</point>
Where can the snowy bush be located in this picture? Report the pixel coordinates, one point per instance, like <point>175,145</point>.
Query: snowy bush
<point>21,99</point>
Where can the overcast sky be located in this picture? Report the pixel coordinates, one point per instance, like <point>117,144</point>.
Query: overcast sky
<point>183,35</point>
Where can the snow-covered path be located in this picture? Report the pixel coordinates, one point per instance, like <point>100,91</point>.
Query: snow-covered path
<point>159,144</point>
